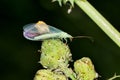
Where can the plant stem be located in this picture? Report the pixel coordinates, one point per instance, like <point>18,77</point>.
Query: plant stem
<point>68,72</point>
<point>99,20</point>
<point>114,77</point>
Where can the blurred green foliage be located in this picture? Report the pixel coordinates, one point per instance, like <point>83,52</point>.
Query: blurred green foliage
<point>19,56</point>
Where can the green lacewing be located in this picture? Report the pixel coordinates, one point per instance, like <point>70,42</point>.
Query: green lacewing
<point>41,31</point>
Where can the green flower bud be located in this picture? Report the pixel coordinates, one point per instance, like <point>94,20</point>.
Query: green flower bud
<point>85,69</point>
<point>48,75</point>
<point>55,54</point>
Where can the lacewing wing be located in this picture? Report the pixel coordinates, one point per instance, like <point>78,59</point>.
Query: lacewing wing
<point>41,31</point>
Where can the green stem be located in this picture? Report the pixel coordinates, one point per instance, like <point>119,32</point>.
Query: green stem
<point>99,20</point>
<point>69,74</point>
<point>114,77</point>
<point>68,71</point>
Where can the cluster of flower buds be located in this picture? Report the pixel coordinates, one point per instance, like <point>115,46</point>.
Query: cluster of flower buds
<point>55,58</point>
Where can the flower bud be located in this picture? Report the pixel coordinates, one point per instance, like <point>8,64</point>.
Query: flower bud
<point>85,69</point>
<point>54,54</point>
<point>48,75</point>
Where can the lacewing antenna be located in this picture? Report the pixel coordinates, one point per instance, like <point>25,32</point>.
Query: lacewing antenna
<point>88,37</point>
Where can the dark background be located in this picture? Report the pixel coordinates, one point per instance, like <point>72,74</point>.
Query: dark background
<point>19,57</point>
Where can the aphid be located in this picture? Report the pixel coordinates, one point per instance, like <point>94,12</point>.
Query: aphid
<point>41,31</point>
